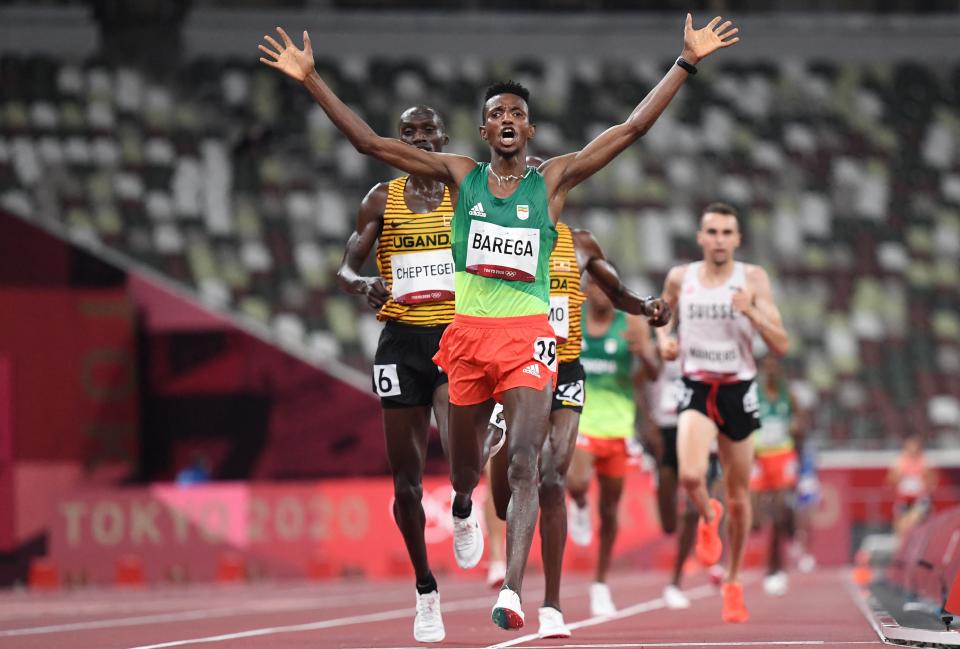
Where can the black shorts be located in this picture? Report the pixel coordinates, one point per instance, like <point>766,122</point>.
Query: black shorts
<point>571,389</point>
<point>671,460</point>
<point>733,407</point>
<point>404,374</point>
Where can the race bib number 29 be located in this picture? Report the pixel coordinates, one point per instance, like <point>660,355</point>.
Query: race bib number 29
<point>545,351</point>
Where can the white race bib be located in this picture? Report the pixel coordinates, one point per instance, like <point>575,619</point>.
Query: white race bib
<point>670,398</point>
<point>503,253</point>
<point>385,380</point>
<point>570,393</point>
<point>716,356</point>
<point>496,417</point>
<point>545,351</point>
<point>425,276</point>
<point>559,317</point>
<point>773,433</point>
<point>910,485</point>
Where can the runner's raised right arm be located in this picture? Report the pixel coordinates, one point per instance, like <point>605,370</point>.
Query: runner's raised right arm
<point>298,64</point>
<point>591,258</point>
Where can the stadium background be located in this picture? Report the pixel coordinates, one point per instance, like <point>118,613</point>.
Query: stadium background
<point>172,215</point>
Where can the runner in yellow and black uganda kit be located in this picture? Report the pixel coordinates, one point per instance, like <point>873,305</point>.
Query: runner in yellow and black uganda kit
<point>409,220</point>
<point>574,250</point>
<point>504,292</point>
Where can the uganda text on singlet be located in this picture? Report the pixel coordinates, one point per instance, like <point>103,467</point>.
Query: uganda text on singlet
<point>715,339</point>
<point>413,255</point>
<point>566,298</point>
<point>501,248</point>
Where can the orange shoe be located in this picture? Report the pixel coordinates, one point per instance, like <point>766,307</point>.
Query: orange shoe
<point>709,547</point>
<point>733,608</point>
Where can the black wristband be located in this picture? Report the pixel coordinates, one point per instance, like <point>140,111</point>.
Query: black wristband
<point>686,65</point>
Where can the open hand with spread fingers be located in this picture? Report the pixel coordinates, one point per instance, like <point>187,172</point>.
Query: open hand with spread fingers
<point>288,58</point>
<point>700,43</point>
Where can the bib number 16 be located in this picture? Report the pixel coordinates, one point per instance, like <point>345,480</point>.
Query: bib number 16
<point>545,351</point>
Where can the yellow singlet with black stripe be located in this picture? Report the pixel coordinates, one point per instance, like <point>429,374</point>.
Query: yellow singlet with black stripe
<point>566,298</point>
<point>424,238</point>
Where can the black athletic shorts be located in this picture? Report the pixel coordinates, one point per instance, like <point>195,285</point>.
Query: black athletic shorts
<point>404,373</point>
<point>571,389</point>
<point>670,459</point>
<point>733,407</point>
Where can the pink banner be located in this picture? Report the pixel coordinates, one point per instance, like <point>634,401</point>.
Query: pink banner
<point>334,527</point>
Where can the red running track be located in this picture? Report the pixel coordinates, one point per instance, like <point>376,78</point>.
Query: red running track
<point>820,610</point>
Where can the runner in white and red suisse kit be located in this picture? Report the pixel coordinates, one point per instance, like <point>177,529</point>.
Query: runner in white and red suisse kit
<point>408,219</point>
<point>720,304</point>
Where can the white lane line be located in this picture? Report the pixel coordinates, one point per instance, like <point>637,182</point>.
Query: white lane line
<point>630,611</point>
<point>654,645</point>
<point>641,607</point>
<point>235,609</point>
<point>407,611</point>
<point>476,602</point>
<point>858,600</point>
<point>231,610</point>
<point>655,604</point>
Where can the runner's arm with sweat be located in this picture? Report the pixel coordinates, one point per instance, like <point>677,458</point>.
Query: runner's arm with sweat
<point>641,345</point>
<point>591,258</point>
<point>359,245</point>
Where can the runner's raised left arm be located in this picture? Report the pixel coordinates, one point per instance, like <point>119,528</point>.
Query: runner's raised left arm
<point>591,258</point>
<point>565,172</point>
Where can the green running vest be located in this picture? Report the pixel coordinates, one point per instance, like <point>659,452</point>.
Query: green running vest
<point>774,434</point>
<point>501,248</point>
<point>609,411</point>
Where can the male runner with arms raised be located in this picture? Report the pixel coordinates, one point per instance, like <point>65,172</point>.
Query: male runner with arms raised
<point>500,345</point>
<point>409,221</point>
<point>575,251</point>
<point>722,303</point>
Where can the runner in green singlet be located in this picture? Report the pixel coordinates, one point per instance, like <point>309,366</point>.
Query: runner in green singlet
<point>611,340</point>
<point>775,466</point>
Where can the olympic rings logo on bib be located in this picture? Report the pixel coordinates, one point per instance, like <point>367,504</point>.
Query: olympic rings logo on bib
<point>420,277</point>
<point>510,254</point>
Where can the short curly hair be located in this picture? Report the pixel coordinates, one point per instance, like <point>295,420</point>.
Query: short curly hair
<point>510,87</point>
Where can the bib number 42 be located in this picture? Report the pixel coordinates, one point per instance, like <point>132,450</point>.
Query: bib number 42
<point>545,351</point>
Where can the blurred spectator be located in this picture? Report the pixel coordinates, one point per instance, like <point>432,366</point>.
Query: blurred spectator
<point>914,482</point>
